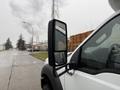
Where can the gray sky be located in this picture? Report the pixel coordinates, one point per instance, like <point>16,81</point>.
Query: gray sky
<point>84,15</point>
<point>80,16</point>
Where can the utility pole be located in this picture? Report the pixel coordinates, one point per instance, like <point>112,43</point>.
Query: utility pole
<point>53,9</point>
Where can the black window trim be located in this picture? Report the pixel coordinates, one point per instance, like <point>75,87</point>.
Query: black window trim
<point>96,72</point>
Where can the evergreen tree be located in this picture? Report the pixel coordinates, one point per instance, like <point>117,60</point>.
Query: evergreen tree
<point>21,43</point>
<point>8,44</point>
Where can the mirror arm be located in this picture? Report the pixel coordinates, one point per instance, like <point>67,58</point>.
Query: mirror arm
<point>63,72</point>
<point>62,66</point>
<point>66,69</point>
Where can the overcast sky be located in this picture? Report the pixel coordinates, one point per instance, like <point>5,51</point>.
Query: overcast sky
<point>80,16</point>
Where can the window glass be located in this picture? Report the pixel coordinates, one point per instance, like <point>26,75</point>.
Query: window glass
<point>103,49</point>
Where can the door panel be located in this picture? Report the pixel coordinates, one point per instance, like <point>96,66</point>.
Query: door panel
<point>62,77</point>
<point>83,81</point>
<point>62,80</point>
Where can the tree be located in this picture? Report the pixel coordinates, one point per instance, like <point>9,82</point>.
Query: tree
<point>8,44</point>
<point>21,43</point>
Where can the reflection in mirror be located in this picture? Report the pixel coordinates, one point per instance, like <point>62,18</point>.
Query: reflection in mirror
<point>60,58</point>
<point>60,37</point>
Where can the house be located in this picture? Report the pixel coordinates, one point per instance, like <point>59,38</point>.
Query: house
<point>75,40</point>
<point>40,46</point>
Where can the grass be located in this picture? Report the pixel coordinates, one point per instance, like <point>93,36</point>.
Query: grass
<point>42,55</point>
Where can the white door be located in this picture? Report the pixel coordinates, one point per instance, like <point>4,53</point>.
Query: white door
<point>98,60</point>
<point>84,81</point>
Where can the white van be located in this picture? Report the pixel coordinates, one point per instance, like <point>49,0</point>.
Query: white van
<point>94,65</point>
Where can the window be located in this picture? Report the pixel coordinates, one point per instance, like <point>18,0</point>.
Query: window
<point>103,49</point>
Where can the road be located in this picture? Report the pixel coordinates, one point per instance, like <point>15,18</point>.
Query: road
<point>19,71</point>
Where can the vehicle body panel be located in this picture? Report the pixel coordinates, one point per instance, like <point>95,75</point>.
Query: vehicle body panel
<point>84,81</point>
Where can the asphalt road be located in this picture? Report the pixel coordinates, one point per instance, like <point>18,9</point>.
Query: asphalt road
<point>19,71</point>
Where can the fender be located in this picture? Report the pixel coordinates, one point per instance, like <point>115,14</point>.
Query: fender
<point>47,72</point>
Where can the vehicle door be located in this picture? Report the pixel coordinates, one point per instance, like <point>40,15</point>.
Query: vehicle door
<point>98,60</point>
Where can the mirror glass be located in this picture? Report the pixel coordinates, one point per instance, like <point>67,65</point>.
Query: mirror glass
<point>60,36</point>
<point>60,58</point>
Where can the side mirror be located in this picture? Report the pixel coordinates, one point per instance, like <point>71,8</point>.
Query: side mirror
<point>57,43</point>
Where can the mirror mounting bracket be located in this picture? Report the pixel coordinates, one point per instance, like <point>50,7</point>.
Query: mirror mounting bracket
<point>55,69</point>
<point>57,46</point>
<point>67,69</point>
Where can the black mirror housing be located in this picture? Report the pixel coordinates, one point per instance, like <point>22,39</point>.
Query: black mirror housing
<point>57,43</point>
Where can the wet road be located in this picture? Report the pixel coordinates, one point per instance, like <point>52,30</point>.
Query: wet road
<point>19,71</point>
